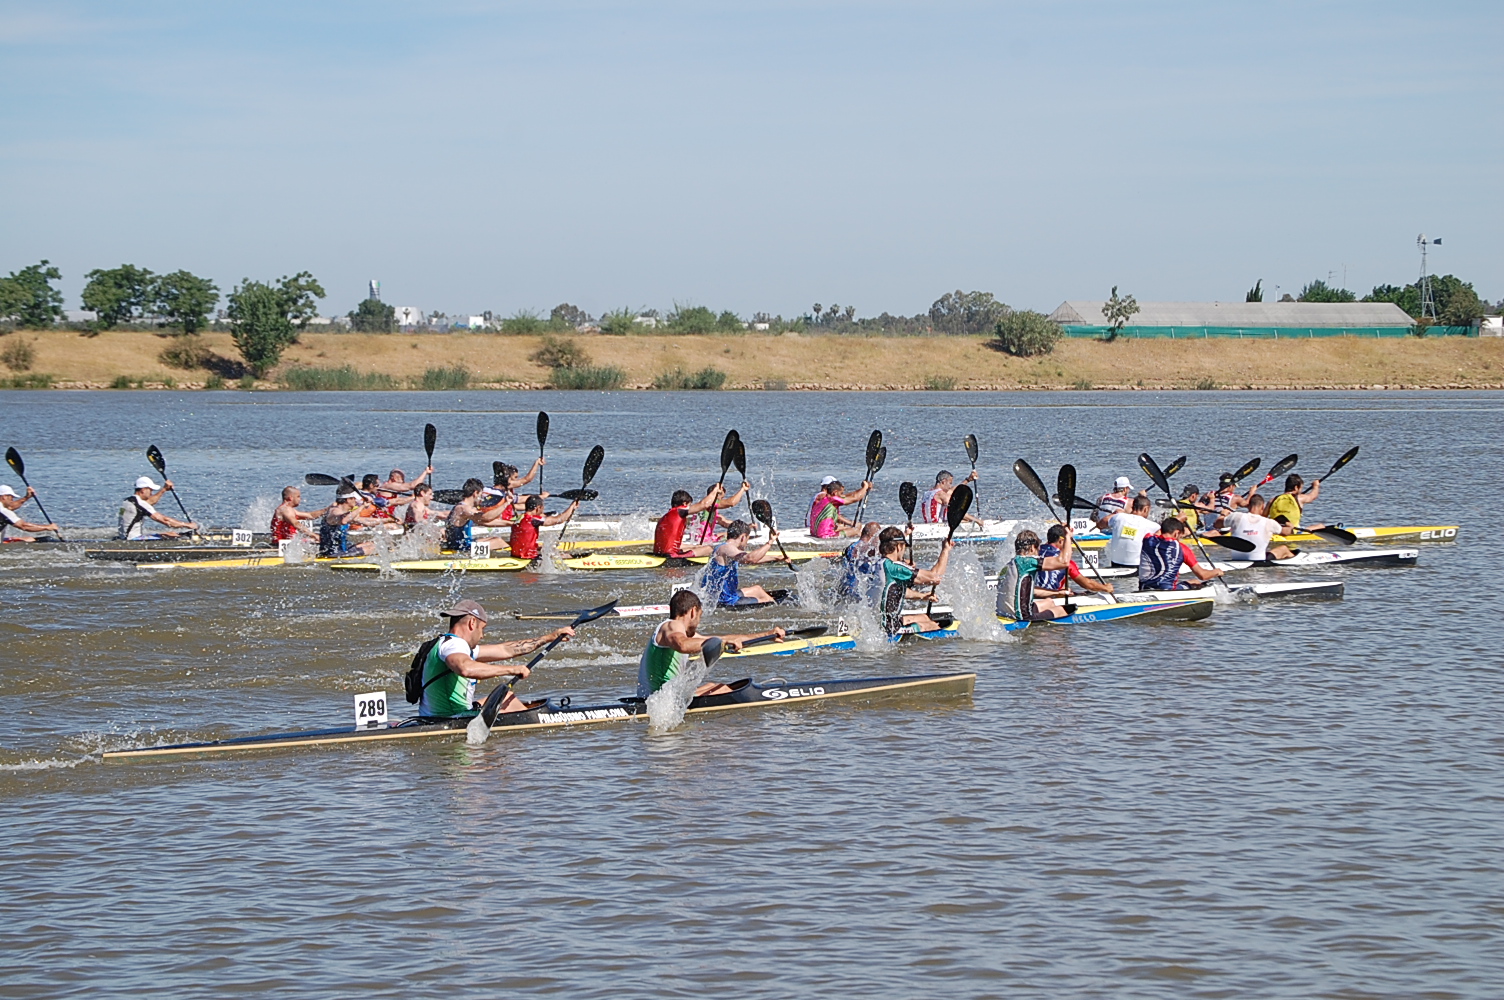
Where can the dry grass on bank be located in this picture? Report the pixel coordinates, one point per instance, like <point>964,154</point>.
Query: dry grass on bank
<point>753,361</point>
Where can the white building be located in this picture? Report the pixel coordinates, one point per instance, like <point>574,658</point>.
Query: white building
<point>409,315</point>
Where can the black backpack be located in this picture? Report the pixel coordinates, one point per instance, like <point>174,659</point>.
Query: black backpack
<point>412,681</point>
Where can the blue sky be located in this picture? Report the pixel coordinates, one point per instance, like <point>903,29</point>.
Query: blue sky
<point>754,156</point>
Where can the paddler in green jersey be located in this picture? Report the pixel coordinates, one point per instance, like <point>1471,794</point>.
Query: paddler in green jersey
<point>676,640</point>
<point>898,575</point>
<point>458,660</point>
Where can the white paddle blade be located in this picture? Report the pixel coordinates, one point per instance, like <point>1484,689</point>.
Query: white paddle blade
<point>477,732</point>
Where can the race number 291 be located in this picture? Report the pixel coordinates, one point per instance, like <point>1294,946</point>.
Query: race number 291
<point>370,710</point>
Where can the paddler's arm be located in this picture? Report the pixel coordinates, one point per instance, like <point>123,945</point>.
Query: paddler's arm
<point>936,572</point>
<point>562,515</point>
<point>1201,572</point>
<point>156,497</point>
<point>171,522</point>
<point>492,652</point>
<point>760,554</point>
<point>1310,494</point>
<point>532,474</point>
<point>859,492</point>
<point>736,497</point>
<point>705,504</point>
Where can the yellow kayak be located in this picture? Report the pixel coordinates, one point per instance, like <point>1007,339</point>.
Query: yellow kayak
<point>497,565</point>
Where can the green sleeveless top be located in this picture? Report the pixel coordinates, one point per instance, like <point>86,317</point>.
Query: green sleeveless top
<point>659,665</point>
<point>450,694</point>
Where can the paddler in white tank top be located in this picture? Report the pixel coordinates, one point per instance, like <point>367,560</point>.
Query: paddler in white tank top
<point>674,641</point>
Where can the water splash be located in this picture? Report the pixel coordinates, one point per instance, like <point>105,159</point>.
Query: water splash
<point>258,514</point>
<point>973,602</point>
<point>666,706</point>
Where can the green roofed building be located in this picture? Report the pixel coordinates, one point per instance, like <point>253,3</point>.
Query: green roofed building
<point>1248,319</point>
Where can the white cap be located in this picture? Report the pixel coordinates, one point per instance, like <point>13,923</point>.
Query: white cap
<point>6,491</point>
<point>145,483</point>
<point>346,496</point>
<point>1122,483</point>
<point>828,480</point>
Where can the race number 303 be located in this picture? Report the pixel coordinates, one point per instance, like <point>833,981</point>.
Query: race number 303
<point>370,710</point>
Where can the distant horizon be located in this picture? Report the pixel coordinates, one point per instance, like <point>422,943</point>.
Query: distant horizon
<point>754,157</point>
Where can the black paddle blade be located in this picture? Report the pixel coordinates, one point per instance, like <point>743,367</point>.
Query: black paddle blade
<point>960,506</point>
<point>1026,475</point>
<point>542,430</point>
<point>1352,454</point>
<point>430,438</point>
<point>728,450</point>
<point>592,464</point>
<point>1281,467</point>
<point>154,456</point>
<point>1233,542</point>
<point>1335,534</point>
<point>448,496</point>
<point>1153,471</point>
<point>319,479</point>
<point>908,498</point>
<point>971,448</point>
<point>496,470</point>
<point>879,460</point>
<point>1065,489</point>
<point>579,495</point>
<point>874,442</point>
<point>1246,471</point>
<point>13,459</point>
<point>739,459</point>
<point>763,511</point>
<point>712,650</point>
<point>1174,467</point>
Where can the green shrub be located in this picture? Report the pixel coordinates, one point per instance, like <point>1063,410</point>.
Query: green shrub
<point>33,380</point>
<point>1206,384</point>
<point>775,385</point>
<point>604,377</point>
<point>619,322</point>
<point>214,381</point>
<point>343,378</point>
<point>1025,333</point>
<point>560,352</point>
<point>122,382</point>
<point>19,355</point>
<point>186,352</point>
<point>1083,384</point>
<point>438,379</point>
<point>705,378</point>
<point>940,383</point>
<point>524,321</point>
<point>247,382</point>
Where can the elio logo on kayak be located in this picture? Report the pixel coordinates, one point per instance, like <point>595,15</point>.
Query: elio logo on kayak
<point>1438,533</point>
<point>778,694</point>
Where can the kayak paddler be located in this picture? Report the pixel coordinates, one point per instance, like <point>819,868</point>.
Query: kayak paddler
<point>1289,505</point>
<point>9,504</point>
<point>936,507</point>
<point>1015,583</point>
<point>862,566</point>
<point>334,527</point>
<point>1056,582</point>
<point>1128,528</point>
<point>1251,524</point>
<point>825,520</point>
<point>287,520</point>
<point>720,581</point>
<point>456,660</point>
<point>668,536</point>
<point>898,576</point>
<point>1115,499</point>
<point>524,542</point>
<point>139,507</point>
<point>1162,555</point>
<point>457,523</point>
<point>695,530</point>
<point>674,641</point>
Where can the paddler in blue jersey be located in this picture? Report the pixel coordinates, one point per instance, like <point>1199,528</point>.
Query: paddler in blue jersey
<point>1162,555</point>
<point>334,528</point>
<point>720,581</point>
<point>1056,582</point>
<point>862,567</point>
<point>448,667</point>
<point>674,641</point>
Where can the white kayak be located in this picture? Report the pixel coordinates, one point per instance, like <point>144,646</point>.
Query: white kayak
<point>1301,560</point>
<point>987,531</point>
<point>1265,591</point>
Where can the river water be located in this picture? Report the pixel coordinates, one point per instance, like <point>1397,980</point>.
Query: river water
<point>1285,800</point>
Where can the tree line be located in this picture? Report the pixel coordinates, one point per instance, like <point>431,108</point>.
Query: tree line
<point>1457,303</point>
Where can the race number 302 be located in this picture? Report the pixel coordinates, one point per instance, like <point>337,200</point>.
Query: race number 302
<point>370,710</point>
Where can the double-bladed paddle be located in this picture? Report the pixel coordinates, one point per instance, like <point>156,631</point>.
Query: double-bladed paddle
<point>763,511</point>
<point>1348,456</point>
<point>971,453</point>
<point>798,633</point>
<point>580,494</point>
<point>1065,486</point>
<point>1233,542</point>
<point>1246,471</point>
<point>874,445</point>
<point>542,440</point>
<point>1153,471</point>
<point>13,459</point>
<point>480,726</point>
<point>1174,467</point>
<point>154,456</point>
<point>728,454</point>
<point>592,466</point>
<point>1279,468</point>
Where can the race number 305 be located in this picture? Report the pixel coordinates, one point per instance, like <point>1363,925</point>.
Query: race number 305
<point>370,710</point>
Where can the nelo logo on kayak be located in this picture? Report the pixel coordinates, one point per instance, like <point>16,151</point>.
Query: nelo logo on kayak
<point>778,694</point>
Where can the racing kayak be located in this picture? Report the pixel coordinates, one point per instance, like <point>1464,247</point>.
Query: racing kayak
<point>987,531</point>
<point>551,714</point>
<point>1301,560</point>
<point>172,554</point>
<point>497,564</point>
<point>1183,610</point>
<point>1264,591</point>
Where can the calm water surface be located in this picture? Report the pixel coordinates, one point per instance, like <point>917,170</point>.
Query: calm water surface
<point>1286,800</point>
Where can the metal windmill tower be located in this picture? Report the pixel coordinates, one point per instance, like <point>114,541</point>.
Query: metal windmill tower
<point>1427,302</point>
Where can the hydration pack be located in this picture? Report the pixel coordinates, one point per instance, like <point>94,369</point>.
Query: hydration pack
<point>412,681</point>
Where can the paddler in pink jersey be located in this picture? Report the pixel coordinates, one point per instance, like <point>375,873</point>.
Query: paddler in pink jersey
<point>825,520</point>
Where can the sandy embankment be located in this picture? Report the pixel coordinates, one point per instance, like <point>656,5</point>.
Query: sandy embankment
<point>828,362</point>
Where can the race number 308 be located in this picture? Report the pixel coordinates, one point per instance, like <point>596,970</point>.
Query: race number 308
<point>370,710</point>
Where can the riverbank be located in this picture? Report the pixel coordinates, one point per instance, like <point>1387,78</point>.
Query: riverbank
<point>124,359</point>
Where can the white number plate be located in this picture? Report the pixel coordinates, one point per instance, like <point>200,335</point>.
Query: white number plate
<point>1082,525</point>
<point>370,710</point>
<point>1093,557</point>
<point>480,550</point>
<point>241,538</point>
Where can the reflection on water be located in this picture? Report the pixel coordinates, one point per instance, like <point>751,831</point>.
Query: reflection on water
<point>1284,800</point>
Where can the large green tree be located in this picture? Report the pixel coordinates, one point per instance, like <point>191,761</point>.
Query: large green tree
<point>1407,297</point>
<point>1457,304</point>
<point>185,300</point>
<point>119,294</point>
<point>28,295</point>
<point>967,313</point>
<point>373,316</point>
<point>265,319</point>
<point>1320,291</point>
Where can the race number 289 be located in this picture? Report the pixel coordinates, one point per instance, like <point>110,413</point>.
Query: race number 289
<point>370,710</point>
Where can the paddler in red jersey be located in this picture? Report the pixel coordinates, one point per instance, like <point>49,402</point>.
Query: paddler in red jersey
<point>668,537</point>
<point>286,518</point>
<point>524,544</point>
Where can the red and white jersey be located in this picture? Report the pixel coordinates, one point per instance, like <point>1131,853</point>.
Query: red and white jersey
<point>934,510</point>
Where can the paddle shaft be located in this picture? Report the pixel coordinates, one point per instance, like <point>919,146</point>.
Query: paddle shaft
<point>1217,582</point>
<point>38,499</point>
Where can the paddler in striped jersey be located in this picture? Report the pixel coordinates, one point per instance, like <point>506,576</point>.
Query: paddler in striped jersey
<point>936,506</point>
<point>1163,553</point>
<point>456,660</point>
<point>825,520</point>
<point>674,641</point>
